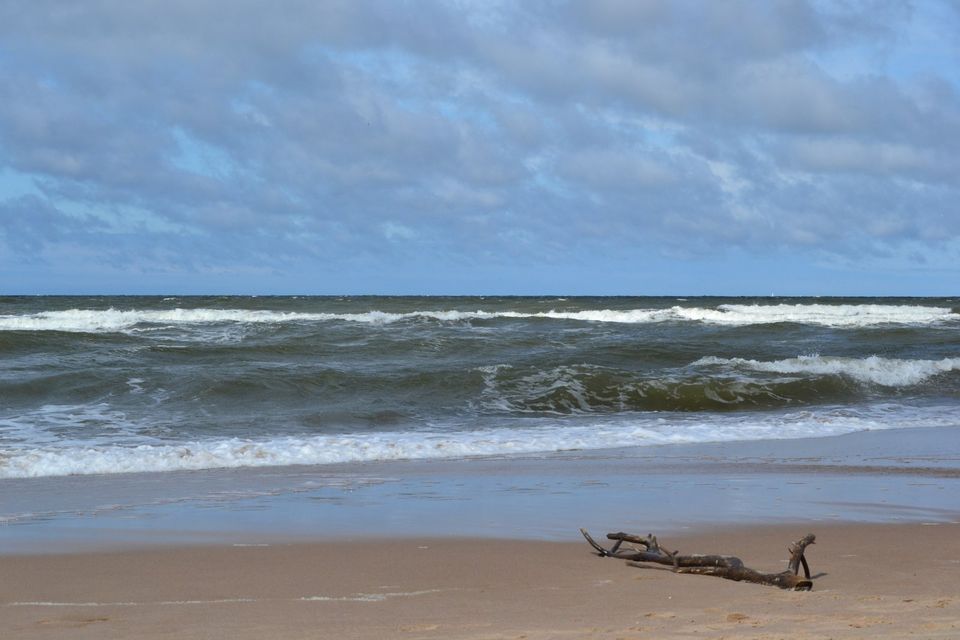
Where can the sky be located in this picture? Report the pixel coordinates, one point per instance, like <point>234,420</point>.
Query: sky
<point>628,147</point>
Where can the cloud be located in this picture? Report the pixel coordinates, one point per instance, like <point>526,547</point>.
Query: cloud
<point>210,137</point>
<point>29,224</point>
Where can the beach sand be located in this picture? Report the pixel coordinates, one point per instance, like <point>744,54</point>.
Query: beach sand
<point>871,580</point>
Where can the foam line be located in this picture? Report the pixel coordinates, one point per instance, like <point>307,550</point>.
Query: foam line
<point>114,320</point>
<point>887,372</point>
<point>638,430</point>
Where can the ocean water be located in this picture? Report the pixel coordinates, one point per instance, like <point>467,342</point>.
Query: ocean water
<point>100,385</point>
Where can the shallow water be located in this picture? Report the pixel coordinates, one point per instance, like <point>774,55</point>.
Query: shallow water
<point>910,475</point>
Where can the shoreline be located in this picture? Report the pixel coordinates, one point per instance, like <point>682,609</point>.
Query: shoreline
<point>485,589</point>
<point>905,475</point>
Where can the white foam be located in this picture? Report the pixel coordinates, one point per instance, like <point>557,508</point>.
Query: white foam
<point>109,320</point>
<point>50,423</point>
<point>115,320</point>
<point>543,437</point>
<point>841,315</point>
<point>887,372</point>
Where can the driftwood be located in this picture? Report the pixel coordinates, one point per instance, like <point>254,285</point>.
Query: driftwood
<point>728,567</point>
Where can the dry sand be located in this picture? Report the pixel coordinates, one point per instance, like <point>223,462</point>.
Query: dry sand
<point>887,581</point>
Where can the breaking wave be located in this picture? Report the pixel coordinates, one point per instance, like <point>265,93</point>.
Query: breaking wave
<point>404,445</point>
<point>886,372</point>
<point>841,316</point>
<point>585,389</point>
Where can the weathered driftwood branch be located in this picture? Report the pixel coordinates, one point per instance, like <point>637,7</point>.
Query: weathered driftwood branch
<point>727,567</point>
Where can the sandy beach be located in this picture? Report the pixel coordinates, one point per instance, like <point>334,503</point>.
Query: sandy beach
<point>889,581</point>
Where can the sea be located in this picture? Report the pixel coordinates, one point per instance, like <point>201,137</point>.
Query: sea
<point>168,384</point>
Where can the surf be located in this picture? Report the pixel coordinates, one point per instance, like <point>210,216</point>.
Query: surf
<point>826,315</point>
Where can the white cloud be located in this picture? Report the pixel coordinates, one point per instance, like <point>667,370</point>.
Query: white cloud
<point>393,231</point>
<point>584,128</point>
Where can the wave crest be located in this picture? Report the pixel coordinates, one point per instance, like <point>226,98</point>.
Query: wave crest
<point>840,316</point>
<point>545,437</point>
<point>886,372</point>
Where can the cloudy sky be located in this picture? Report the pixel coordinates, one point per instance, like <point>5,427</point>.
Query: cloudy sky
<point>601,147</point>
